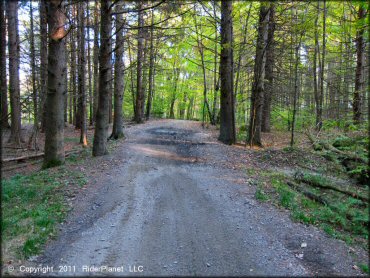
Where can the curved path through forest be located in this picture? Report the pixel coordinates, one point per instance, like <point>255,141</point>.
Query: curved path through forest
<point>170,206</point>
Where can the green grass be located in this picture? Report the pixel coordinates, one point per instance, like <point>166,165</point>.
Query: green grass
<point>261,195</point>
<point>32,206</point>
<point>364,268</point>
<point>346,218</point>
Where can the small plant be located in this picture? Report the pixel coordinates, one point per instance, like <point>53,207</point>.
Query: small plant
<point>286,198</point>
<point>364,268</point>
<point>261,195</point>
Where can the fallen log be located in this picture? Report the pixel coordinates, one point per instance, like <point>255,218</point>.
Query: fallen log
<point>318,199</point>
<point>308,194</point>
<point>39,155</point>
<point>20,158</point>
<point>319,145</point>
<point>300,178</point>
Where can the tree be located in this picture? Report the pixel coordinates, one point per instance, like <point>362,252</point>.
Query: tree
<point>269,72</point>
<point>54,131</point>
<point>322,67</point>
<point>81,107</point>
<point>43,62</point>
<point>227,118</point>
<point>117,131</point>
<point>33,138</point>
<point>255,120</point>
<point>151,71</point>
<point>140,60</point>
<point>102,117</point>
<point>14,86</point>
<point>96,60</point>
<point>3,80</point>
<point>89,71</point>
<point>359,79</point>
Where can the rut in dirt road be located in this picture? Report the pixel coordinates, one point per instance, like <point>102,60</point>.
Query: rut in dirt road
<point>169,209</point>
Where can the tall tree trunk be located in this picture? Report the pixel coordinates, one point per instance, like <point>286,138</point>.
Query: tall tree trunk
<point>102,117</point>
<point>89,71</point>
<point>132,79</point>
<point>32,143</point>
<point>269,72</point>
<point>78,65</point>
<point>205,91</point>
<point>322,68</point>
<point>73,75</point>
<point>117,131</point>
<point>227,117</point>
<point>215,64</point>
<point>140,56</point>
<point>3,80</point>
<point>298,42</point>
<point>82,75</point>
<point>151,70</point>
<point>14,87</point>
<point>359,78</point>
<point>54,129</point>
<point>317,93</point>
<point>176,74</point>
<point>237,79</point>
<point>43,62</point>
<point>96,60</point>
<point>110,113</point>
<point>333,85</point>
<point>255,119</point>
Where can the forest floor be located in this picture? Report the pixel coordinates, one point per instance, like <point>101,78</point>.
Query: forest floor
<point>174,200</point>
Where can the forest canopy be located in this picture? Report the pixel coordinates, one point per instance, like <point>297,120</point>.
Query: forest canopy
<point>283,65</point>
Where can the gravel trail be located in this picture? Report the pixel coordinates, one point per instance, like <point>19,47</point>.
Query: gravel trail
<point>169,208</point>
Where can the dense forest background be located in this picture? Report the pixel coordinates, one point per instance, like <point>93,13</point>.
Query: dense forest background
<point>295,65</point>
<point>223,104</point>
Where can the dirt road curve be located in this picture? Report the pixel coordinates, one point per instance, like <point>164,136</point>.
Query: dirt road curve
<point>169,208</point>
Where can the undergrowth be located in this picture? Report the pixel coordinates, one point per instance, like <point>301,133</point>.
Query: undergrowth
<point>32,205</point>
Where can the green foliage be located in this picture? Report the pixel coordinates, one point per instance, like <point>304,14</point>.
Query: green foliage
<point>364,268</point>
<point>346,218</point>
<point>33,204</point>
<point>261,195</point>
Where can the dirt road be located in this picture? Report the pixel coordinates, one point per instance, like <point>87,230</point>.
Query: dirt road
<point>170,206</point>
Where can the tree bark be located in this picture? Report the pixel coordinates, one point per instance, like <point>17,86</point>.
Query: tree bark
<point>140,57</point>
<point>96,60</point>
<point>3,79</point>
<point>359,78</point>
<point>73,75</point>
<point>317,93</point>
<point>227,117</point>
<point>82,75</point>
<point>269,72</point>
<point>322,66</point>
<point>89,71</point>
<point>43,62</point>
<point>151,71</point>
<point>54,129</point>
<point>117,131</point>
<point>102,117</point>
<point>215,65</point>
<point>32,143</point>
<point>205,91</point>
<point>14,87</point>
<point>255,119</point>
